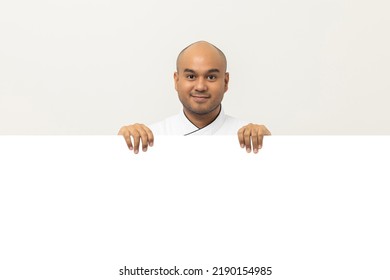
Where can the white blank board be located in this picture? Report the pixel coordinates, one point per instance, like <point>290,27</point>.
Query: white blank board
<point>83,207</point>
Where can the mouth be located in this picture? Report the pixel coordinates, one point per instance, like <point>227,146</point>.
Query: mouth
<point>199,98</point>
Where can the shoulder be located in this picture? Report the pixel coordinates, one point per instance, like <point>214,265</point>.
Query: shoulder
<point>235,121</point>
<point>166,126</point>
<point>231,125</point>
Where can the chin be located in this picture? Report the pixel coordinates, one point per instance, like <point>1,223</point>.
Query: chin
<point>201,111</point>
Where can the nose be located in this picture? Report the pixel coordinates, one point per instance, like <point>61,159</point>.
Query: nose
<point>201,85</point>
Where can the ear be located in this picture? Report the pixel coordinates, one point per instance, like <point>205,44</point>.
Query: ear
<point>176,79</point>
<point>226,81</point>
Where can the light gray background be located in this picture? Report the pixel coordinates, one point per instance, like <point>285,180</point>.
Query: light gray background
<point>89,67</point>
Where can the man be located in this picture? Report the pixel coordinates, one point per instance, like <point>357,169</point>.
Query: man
<point>201,81</point>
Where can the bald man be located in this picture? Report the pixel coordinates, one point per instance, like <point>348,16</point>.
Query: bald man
<point>201,81</point>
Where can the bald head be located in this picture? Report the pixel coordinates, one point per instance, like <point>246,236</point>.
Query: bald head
<point>201,49</point>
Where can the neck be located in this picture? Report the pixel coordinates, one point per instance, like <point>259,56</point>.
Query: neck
<point>202,120</point>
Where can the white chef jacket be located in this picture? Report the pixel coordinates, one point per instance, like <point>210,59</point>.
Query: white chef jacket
<point>180,125</point>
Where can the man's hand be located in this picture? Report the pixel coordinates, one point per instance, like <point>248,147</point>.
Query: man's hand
<point>254,132</point>
<point>137,132</point>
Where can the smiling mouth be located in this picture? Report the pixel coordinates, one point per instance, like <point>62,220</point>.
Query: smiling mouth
<point>200,98</point>
<point>200,95</point>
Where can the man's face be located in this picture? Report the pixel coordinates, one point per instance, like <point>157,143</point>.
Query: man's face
<point>201,80</point>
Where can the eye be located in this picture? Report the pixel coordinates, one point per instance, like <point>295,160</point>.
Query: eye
<point>211,77</point>
<point>191,77</point>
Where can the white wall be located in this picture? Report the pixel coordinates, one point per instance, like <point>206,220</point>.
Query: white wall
<point>88,67</point>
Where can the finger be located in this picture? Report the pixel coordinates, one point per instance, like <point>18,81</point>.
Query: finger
<point>260,139</point>
<point>261,134</point>
<point>128,141</point>
<point>136,138</point>
<point>240,135</point>
<point>150,135</point>
<point>144,138</point>
<point>247,139</point>
<point>126,135</point>
<point>255,140</point>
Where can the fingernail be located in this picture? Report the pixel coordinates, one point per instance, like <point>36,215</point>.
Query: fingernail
<point>151,144</point>
<point>248,150</point>
<point>260,146</point>
<point>131,148</point>
<point>135,151</point>
<point>242,145</point>
<point>255,151</point>
<point>144,149</point>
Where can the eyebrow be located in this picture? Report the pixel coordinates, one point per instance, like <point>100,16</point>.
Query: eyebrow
<point>214,70</point>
